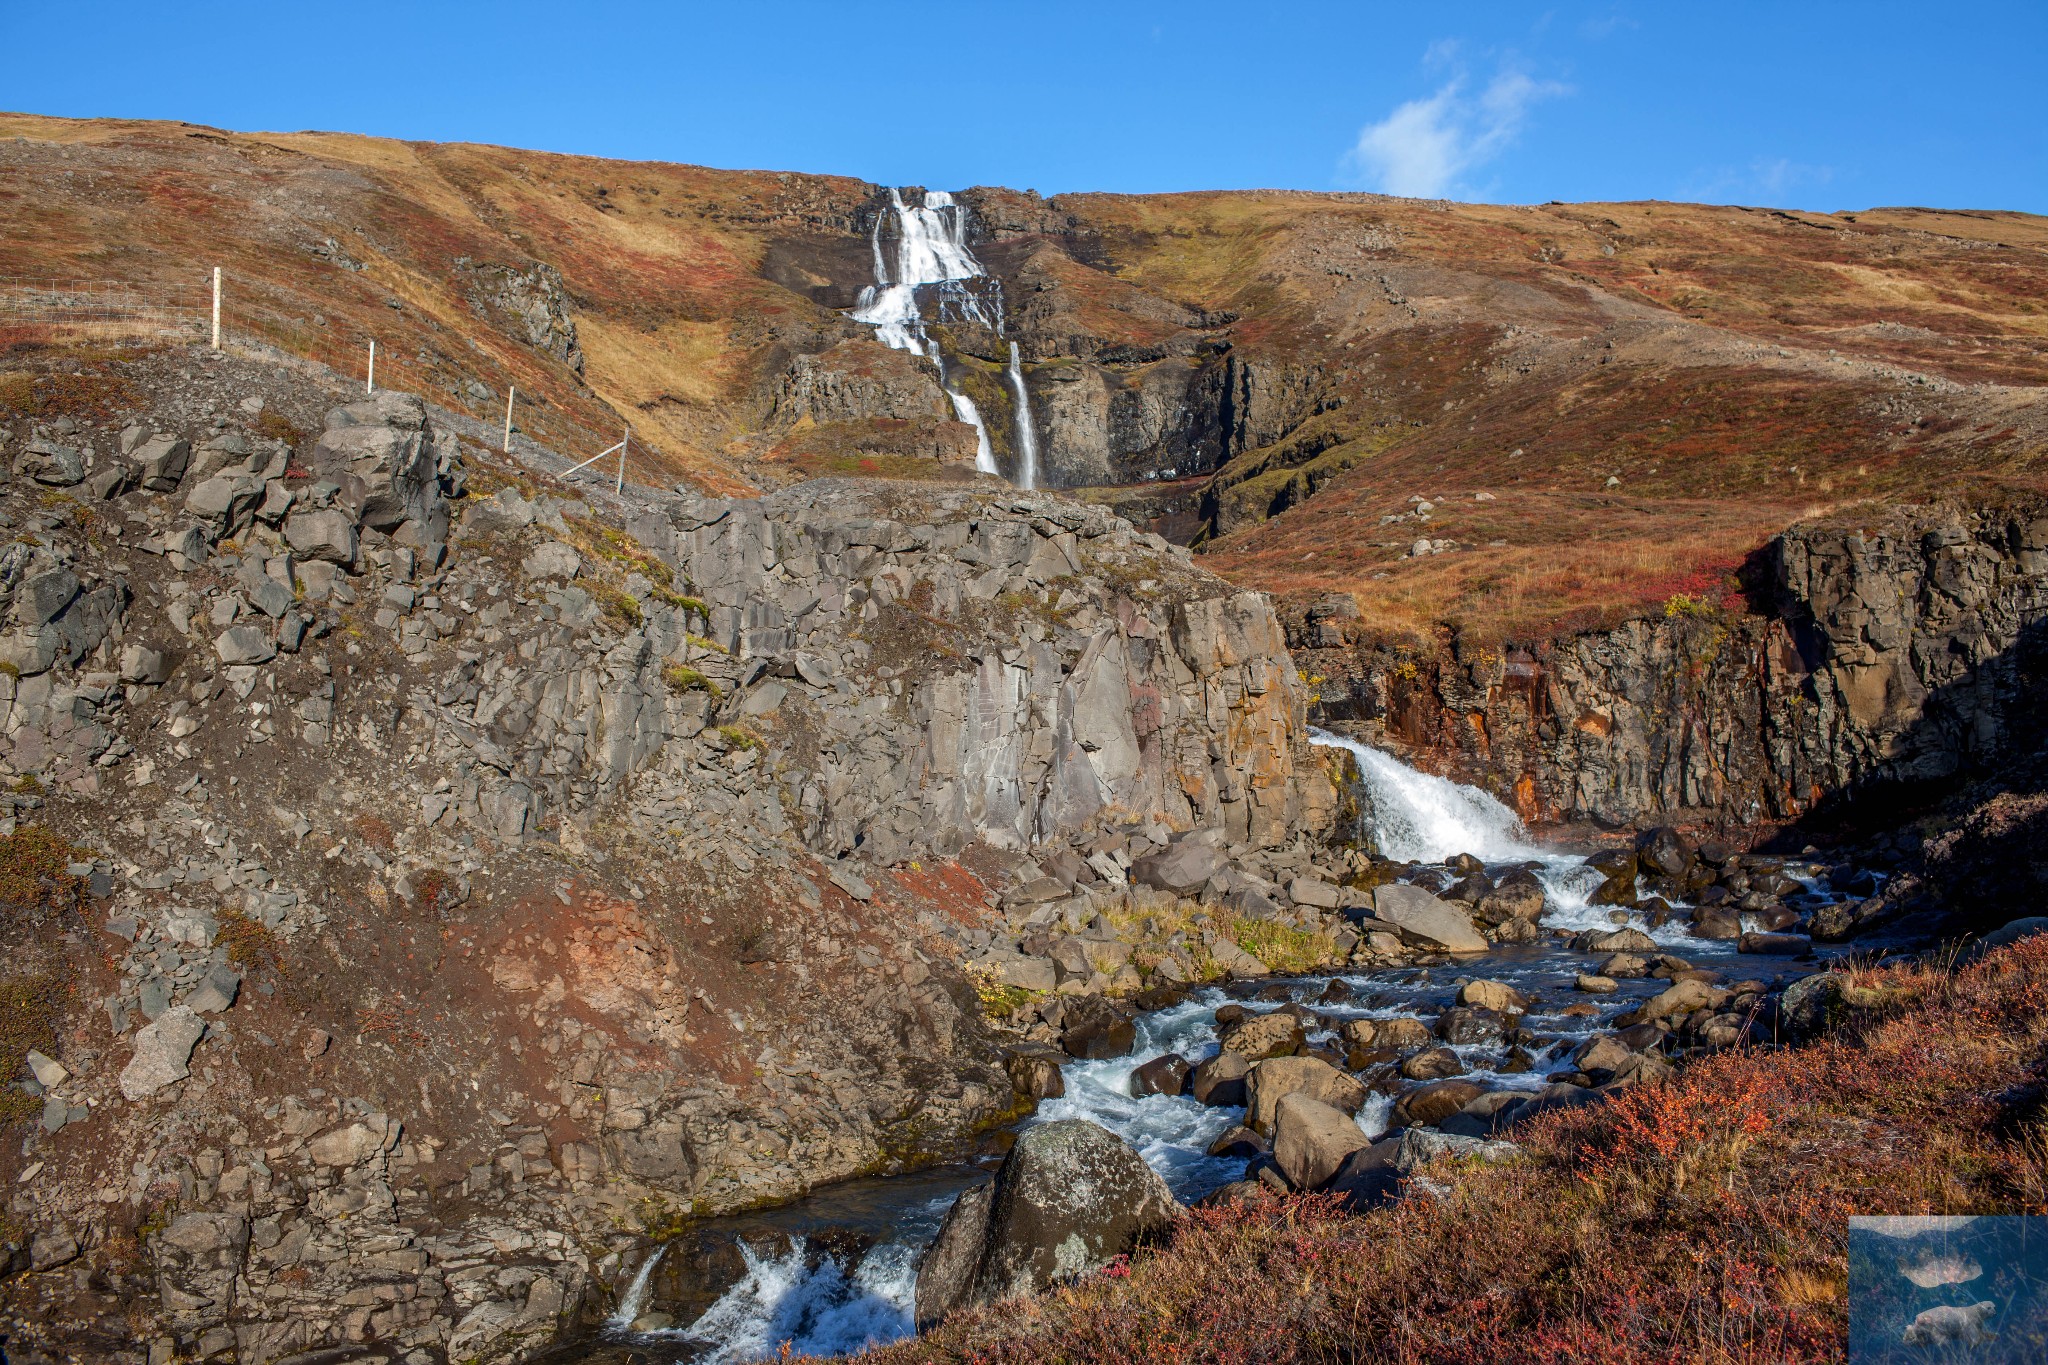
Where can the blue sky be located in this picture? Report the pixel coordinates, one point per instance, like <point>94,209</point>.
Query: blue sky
<point>1793,104</point>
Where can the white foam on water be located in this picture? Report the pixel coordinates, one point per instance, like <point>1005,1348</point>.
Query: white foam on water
<point>1172,1132</point>
<point>1419,817</point>
<point>984,453</point>
<point>635,1298</point>
<point>1376,1115</point>
<point>931,249</point>
<point>814,1305</point>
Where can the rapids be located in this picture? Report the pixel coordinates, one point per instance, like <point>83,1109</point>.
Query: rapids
<point>826,1301</point>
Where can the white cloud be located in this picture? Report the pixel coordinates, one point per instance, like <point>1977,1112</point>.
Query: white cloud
<point>1767,180</point>
<point>1424,148</point>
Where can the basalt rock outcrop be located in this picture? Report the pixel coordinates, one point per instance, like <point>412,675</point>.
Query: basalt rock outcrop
<point>459,871</point>
<point>1888,656</point>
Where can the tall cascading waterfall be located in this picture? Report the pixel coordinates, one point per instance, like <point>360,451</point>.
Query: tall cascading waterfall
<point>1027,435</point>
<point>931,250</point>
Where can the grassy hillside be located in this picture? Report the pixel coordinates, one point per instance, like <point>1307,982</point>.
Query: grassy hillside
<point>1605,404</point>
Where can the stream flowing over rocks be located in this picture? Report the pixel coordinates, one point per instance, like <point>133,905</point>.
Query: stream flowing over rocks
<point>1343,1079</point>
<point>471,911</point>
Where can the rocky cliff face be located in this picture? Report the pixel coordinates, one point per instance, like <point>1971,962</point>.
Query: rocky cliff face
<point>426,874</point>
<point>1889,655</point>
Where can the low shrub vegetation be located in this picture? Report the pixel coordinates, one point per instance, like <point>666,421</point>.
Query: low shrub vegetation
<point>33,875</point>
<point>1702,1220</point>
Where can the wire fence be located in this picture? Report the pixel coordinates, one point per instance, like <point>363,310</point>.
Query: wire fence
<point>104,310</point>
<point>57,312</point>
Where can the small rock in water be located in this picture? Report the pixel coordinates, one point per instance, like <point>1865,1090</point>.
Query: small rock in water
<point>1166,1075</point>
<point>1595,985</point>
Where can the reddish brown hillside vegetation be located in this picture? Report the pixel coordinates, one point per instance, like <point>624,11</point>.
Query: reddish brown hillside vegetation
<point>1703,1220</point>
<point>1643,392</point>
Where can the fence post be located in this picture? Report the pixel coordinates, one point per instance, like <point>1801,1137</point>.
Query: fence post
<point>370,381</point>
<point>620,487</point>
<point>216,308</point>
<point>511,392</point>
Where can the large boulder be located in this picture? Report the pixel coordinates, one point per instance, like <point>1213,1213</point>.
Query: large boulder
<point>1432,1064</point>
<point>1264,1035</point>
<point>45,461</point>
<point>1166,1075</point>
<point>1035,1071</point>
<point>1070,1198</point>
<point>1311,1140</point>
<point>388,459</point>
<point>1402,1034</point>
<point>1182,869</point>
<point>1519,896</point>
<point>1627,940</point>
<point>1373,1174</point>
<point>1664,851</point>
<point>1497,996</point>
<point>225,503</point>
<point>1681,997</point>
<point>322,533</point>
<point>1435,1102</point>
<point>245,645</point>
<point>1093,1029</point>
<point>1424,919</point>
<point>1276,1078</point>
<point>1220,1080</point>
<point>1811,1003</point>
<point>160,463</point>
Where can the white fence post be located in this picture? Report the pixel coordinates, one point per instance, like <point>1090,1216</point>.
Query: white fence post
<point>370,380</point>
<point>620,487</point>
<point>511,392</point>
<point>216,308</point>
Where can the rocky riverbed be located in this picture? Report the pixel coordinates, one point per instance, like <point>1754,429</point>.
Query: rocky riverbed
<point>1342,1079</point>
<point>435,884</point>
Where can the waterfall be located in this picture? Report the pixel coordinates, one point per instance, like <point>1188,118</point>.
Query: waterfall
<point>984,453</point>
<point>1027,435</point>
<point>635,1297</point>
<point>1418,817</point>
<point>931,253</point>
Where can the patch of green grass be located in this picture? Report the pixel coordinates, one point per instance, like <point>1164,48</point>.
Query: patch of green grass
<point>28,1019</point>
<point>618,604</point>
<point>596,540</point>
<point>1282,947</point>
<point>998,998</point>
<point>32,875</point>
<point>683,679</point>
<point>739,737</point>
<point>250,943</point>
<point>681,602</point>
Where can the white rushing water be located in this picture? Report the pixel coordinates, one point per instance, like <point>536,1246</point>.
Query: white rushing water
<point>819,1305</point>
<point>634,1300</point>
<point>1418,817</point>
<point>809,1300</point>
<point>1027,433</point>
<point>931,253</point>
